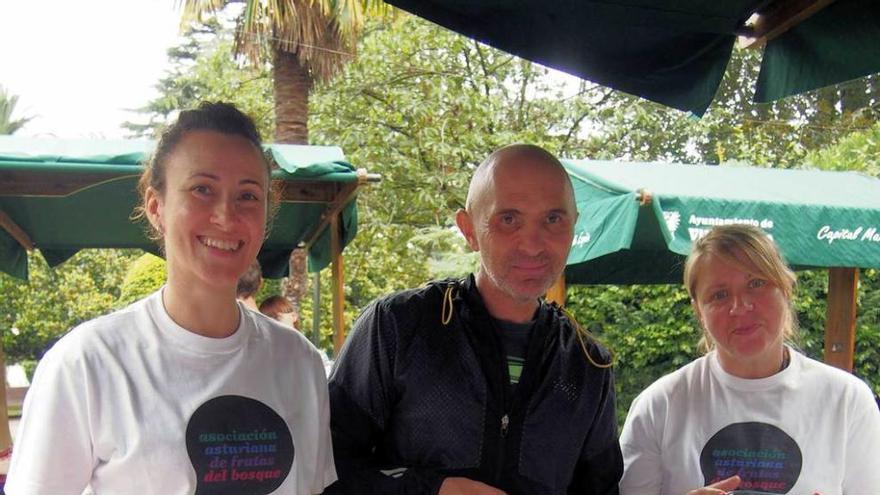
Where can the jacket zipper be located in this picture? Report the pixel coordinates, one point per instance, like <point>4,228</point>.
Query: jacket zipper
<point>502,433</point>
<point>502,448</point>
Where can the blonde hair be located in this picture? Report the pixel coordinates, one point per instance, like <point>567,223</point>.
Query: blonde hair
<point>750,249</point>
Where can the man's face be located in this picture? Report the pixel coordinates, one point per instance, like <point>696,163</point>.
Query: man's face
<point>522,224</point>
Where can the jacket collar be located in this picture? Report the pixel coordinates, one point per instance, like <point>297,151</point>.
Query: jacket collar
<point>475,307</point>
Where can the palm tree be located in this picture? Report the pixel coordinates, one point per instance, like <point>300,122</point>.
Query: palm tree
<point>7,107</point>
<point>306,41</point>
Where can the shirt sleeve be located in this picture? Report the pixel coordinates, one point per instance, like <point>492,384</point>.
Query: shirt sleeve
<point>53,452</point>
<point>862,472</point>
<point>639,442</point>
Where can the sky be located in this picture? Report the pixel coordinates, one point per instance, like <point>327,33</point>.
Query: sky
<point>78,66</point>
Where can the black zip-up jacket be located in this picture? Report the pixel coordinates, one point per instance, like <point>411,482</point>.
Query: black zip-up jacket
<point>420,393</point>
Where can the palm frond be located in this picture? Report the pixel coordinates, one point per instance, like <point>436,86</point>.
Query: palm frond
<point>7,107</point>
<point>195,10</point>
<point>321,33</point>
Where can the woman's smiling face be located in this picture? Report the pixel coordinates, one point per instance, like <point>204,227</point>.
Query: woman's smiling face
<point>212,214</point>
<point>744,314</point>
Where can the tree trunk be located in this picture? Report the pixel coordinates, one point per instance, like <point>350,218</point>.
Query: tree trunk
<point>293,83</point>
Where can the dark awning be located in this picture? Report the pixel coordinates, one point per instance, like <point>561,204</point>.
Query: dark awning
<point>674,51</point>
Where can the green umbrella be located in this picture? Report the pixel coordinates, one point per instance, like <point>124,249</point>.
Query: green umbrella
<point>64,195</point>
<point>671,51</point>
<point>638,220</point>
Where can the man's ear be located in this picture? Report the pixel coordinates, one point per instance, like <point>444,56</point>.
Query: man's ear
<point>466,226</point>
<point>153,209</point>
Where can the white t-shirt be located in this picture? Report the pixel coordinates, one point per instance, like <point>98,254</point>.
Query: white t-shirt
<point>133,403</point>
<point>809,428</point>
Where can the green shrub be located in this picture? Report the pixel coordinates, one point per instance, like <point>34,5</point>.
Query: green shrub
<point>144,276</point>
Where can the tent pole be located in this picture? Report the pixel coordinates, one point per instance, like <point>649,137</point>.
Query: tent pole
<point>17,233</point>
<point>556,292</point>
<point>316,309</point>
<point>337,288</point>
<point>840,321</point>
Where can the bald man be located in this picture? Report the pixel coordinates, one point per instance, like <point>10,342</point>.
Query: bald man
<point>477,386</point>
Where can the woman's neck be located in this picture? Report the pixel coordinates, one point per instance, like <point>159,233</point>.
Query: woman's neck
<point>760,367</point>
<point>210,312</point>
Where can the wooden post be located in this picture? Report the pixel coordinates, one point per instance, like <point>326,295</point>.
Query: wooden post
<point>337,285</point>
<point>840,322</point>
<point>556,293</point>
<point>316,311</point>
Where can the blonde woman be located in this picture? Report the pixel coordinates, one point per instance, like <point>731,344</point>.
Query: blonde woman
<point>753,413</point>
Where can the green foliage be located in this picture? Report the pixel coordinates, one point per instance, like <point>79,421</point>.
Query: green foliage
<point>858,151</point>
<point>650,330</point>
<point>29,365</point>
<point>269,288</point>
<point>34,313</point>
<point>144,276</point>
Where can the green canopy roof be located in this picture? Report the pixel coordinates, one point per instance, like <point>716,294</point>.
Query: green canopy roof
<point>69,195</point>
<point>637,220</point>
<point>672,51</point>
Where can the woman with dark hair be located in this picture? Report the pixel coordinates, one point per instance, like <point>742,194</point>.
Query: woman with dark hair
<point>753,415</point>
<point>184,391</point>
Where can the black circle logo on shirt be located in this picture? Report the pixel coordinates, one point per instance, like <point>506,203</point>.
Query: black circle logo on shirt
<point>238,445</point>
<point>765,457</point>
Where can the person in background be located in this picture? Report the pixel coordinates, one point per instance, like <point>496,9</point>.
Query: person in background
<point>279,308</point>
<point>753,413</point>
<point>477,385</point>
<point>249,284</point>
<point>184,391</point>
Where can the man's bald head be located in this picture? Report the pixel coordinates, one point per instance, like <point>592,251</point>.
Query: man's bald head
<point>481,181</point>
<point>520,217</point>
